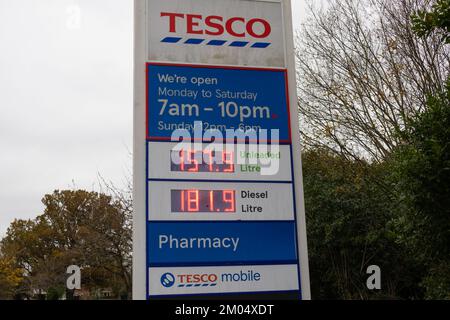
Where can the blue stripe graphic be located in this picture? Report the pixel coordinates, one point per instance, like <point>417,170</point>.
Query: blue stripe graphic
<point>197,285</point>
<point>239,44</point>
<point>171,40</point>
<point>217,42</point>
<point>261,45</point>
<point>194,41</point>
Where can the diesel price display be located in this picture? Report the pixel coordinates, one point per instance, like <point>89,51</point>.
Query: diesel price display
<point>203,201</point>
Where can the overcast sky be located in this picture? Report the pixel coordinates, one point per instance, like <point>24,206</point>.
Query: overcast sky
<point>65,98</point>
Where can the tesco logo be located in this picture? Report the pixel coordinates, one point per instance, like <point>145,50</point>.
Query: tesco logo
<point>217,25</point>
<point>189,280</point>
<point>196,25</point>
<point>197,280</point>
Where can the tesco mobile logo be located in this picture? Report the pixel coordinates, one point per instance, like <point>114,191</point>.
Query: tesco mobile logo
<point>196,25</point>
<point>167,280</point>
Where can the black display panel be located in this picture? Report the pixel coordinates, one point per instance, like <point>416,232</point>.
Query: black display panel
<point>193,200</point>
<point>202,161</point>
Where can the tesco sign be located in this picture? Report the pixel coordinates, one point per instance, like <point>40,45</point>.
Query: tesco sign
<point>214,25</point>
<point>222,32</point>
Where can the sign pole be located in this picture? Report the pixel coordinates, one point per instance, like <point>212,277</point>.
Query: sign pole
<point>139,178</point>
<point>300,197</point>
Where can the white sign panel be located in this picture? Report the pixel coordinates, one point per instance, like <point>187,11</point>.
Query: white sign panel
<point>220,201</point>
<point>231,32</point>
<point>168,161</point>
<point>201,280</point>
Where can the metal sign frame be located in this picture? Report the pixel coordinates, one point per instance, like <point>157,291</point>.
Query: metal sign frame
<point>140,271</point>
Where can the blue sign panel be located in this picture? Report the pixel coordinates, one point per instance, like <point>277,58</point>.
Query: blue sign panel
<point>193,243</point>
<point>243,100</point>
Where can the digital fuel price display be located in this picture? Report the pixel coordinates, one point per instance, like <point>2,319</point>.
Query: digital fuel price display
<point>194,200</point>
<point>202,161</point>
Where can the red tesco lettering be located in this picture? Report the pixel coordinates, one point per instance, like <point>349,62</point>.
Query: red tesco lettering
<point>216,25</point>
<point>197,278</point>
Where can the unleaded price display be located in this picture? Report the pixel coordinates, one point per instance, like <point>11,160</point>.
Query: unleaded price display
<point>202,161</point>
